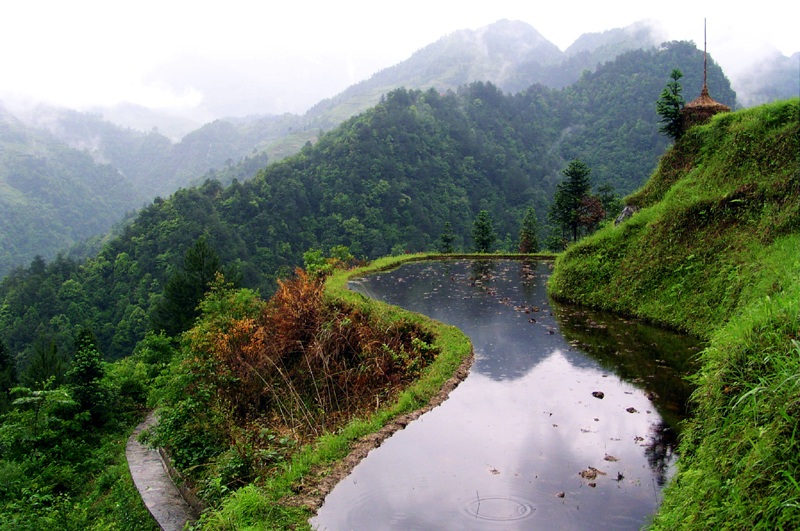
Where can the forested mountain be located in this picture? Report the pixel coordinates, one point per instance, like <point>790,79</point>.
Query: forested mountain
<point>511,55</point>
<point>52,196</point>
<point>386,181</point>
<point>73,176</point>
<point>152,163</point>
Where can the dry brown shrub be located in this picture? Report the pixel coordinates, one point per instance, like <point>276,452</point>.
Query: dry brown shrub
<point>308,365</point>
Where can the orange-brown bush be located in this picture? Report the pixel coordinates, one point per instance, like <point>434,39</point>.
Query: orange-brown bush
<point>306,365</point>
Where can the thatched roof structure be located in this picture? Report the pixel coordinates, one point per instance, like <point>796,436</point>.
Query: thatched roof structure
<point>700,110</point>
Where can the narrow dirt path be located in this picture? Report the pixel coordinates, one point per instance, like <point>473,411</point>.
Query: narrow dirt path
<point>158,492</point>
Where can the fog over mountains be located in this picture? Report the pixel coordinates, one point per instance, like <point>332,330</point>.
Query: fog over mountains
<point>211,88</point>
<point>67,175</point>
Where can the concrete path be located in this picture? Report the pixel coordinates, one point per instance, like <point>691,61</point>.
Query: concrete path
<point>158,492</point>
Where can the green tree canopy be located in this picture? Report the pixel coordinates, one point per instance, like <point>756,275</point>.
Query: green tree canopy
<point>568,202</point>
<point>45,364</point>
<point>85,375</point>
<point>529,233</point>
<point>185,288</point>
<point>447,238</point>
<point>8,376</point>
<point>483,235</point>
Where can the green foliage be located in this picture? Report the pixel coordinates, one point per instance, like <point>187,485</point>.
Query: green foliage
<point>385,182</point>
<point>185,288</point>
<point>529,232</point>
<point>45,365</point>
<point>8,376</point>
<point>715,251</point>
<point>669,106</point>
<point>85,377</point>
<point>317,265</point>
<point>609,200</point>
<point>483,235</point>
<point>568,202</point>
<point>446,239</point>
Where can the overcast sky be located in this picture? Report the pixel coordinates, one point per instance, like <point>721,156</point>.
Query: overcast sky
<point>78,53</point>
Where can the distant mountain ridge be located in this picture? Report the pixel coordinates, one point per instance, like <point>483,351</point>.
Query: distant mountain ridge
<point>52,196</point>
<point>512,55</point>
<point>386,181</point>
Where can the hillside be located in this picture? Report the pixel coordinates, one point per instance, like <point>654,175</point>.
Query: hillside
<point>53,196</point>
<point>715,251</point>
<point>385,182</point>
<point>606,118</point>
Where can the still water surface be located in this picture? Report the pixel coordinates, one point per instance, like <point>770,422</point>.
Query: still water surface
<point>566,421</point>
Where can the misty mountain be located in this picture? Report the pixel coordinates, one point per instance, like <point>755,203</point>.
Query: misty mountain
<point>774,78</point>
<point>150,161</point>
<point>385,181</point>
<point>140,118</point>
<point>53,196</point>
<point>512,55</point>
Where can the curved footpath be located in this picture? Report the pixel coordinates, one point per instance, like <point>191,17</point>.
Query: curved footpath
<point>159,493</point>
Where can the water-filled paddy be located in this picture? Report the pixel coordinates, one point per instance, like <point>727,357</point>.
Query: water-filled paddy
<point>567,420</point>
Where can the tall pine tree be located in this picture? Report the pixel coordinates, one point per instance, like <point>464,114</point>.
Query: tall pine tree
<point>568,201</point>
<point>446,239</point>
<point>85,377</point>
<point>483,235</point>
<point>185,288</point>
<point>529,233</point>
<point>669,107</point>
<point>8,376</point>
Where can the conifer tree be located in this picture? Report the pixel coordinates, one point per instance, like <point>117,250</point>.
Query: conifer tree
<point>45,364</point>
<point>185,288</point>
<point>8,376</point>
<point>669,107</point>
<point>446,239</point>
<point>483,235</point>
<point>569,198</point>
<point>85,376</point>
<point>529,233</point>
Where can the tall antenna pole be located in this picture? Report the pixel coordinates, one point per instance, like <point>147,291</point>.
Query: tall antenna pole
<point>705,54</point>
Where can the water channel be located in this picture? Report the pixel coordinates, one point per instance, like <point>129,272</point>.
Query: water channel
<point>566,421</point>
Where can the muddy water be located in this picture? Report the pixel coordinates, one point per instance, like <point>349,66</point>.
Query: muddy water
<point>567,420</point>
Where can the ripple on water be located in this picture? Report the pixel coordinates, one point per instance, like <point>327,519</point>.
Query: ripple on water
<point>499,508</point>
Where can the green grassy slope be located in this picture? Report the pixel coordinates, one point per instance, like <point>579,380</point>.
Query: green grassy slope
<point>715,251</point>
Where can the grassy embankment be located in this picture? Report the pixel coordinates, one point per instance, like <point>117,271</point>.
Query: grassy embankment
<point>715,251</point>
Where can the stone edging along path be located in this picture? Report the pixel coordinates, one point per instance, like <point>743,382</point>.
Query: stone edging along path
<point>151,477</point>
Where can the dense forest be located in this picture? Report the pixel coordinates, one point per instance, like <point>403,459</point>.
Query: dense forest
<point>385,182</point>
<point>50,194</point>
<point>148,163</point>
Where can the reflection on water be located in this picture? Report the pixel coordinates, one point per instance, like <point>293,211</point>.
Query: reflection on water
<point>549,431</point>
